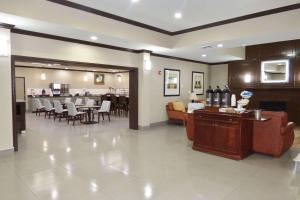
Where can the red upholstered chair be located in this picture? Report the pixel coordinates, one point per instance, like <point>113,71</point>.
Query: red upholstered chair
<point>275,136</point>
<point>174,115</point>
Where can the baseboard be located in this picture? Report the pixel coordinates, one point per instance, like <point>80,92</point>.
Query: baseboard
<point>5,152</point>
<point>153,125</point>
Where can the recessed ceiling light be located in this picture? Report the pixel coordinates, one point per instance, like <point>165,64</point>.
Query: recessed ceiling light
<point>49,65</point>
<point>178,15</point>
<point>94,38</point>
<point>66,68</point>
<point>135,1</point>
<point>204,55</point>
<point>220,45</point>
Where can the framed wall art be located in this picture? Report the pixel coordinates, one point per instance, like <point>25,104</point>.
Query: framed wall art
<point>171,82</point>
<point>99,79</point>
<point>198,82</point>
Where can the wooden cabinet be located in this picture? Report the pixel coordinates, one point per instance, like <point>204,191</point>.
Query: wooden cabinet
<point>224,134</point>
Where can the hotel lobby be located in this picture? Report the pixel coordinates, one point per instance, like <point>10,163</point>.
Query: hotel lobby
<point>140,99</point>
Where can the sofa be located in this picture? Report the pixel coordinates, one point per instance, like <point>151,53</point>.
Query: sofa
<point>274,136</point>
<point>176,115</point>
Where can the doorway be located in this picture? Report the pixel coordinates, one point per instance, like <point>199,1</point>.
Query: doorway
<point>19,91</point>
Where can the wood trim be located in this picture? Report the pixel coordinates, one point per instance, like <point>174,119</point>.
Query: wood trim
<point>133,100</point>
<point>66,39</point>
<point>14,114</point>
<point>75,70</point>
<point>7,26</point>
<point>159,30</point>
<point>66,62</point>
<point>181,59</point>
<point>241,18</point>
<point>110,16</point>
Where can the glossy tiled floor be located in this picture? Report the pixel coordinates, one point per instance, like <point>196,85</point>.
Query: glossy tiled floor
<point>110,162</point>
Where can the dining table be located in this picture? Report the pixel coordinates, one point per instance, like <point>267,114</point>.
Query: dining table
<point>89,110</point>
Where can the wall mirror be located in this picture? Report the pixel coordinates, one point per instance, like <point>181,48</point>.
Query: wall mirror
<point>275,71</point>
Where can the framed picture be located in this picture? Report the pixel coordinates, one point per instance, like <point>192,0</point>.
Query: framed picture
<point>198,83</point>
<point>171,82</point>
<point>99,79</point>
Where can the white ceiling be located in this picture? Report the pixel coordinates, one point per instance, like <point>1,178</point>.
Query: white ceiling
<point>50,18</point>
<point>160,13</point>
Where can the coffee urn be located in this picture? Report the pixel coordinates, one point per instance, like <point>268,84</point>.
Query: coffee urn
<point>217,97</point>
<point>209,96</point>
<point>226,97</point>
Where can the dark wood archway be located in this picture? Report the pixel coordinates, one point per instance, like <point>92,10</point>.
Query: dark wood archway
<point>133,86</point>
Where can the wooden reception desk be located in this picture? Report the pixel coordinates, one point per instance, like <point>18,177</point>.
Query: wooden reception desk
<point>223,134</point>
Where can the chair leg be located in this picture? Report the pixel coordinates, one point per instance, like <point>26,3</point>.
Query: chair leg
<point>45,114</point>
<point>60,117</point>
<point>68,119</point>
<point>108,116</point>
<point>102,116</point>
<point>98,117</point>
<point>54,116</point>
<point>74,118</point>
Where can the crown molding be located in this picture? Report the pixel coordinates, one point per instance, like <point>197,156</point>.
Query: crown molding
<point>159,30</point>
<point>67,39</point>
<point>7,26</point>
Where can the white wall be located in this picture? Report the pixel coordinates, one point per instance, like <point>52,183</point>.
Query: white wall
<point>218,75</point>
<point>6,130</point>
<point>74,78</point>
<point>150,84</point>
<point>158,101</point>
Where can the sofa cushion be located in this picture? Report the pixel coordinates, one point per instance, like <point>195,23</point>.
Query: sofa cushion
<point>179,106</point>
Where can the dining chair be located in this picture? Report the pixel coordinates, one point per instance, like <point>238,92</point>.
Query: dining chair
<point>104,109</point>
<point>49,110</point>
<point>114,104</point>
<point>123,105</point>
<point>73,114</point>
<point>68,100</point>
<point>59,111</point>
<point>38,107</point>
<point>78,102</point>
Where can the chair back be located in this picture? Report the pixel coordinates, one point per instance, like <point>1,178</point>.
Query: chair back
<point>105,106</point>
<point>122,100</point>
<point>58,107</point>
<point>68,100</point>
<point>78,102</point>
<point>71,109</point>
<point>48,105</point>
<point>90,102</point>
<point>37,104</point>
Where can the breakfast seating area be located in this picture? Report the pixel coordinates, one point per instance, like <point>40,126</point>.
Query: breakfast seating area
<point>84,110</point>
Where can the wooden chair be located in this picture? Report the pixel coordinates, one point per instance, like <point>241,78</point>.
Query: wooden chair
<point>73,114</point>
<point>123,105</point>
<point>105,109</point>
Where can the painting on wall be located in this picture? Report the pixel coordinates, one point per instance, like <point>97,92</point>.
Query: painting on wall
<point>99,79</point>
<point>198,83</point>
<point>171,82</point>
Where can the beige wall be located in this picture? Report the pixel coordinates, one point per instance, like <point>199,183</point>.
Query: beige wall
<point>151,100</point>
<point>218,75</point>
<point>158,101</point>
<point>6,136</point>
<point>74,78</point>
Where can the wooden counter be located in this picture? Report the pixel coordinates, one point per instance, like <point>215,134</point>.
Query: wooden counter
<point>223,134</point>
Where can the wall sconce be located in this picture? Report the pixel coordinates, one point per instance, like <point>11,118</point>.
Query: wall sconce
<point>247,78</point>
<point>43,76</point>
<point>147,62</point>
<point>4,47</point>
<point>119,78</point>
<point>85,78</point>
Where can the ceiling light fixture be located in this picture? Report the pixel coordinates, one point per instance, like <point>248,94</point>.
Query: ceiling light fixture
<point>94,37</point>
<point>204,55</point>
<point>178,15</point>
<point>220,45</point>
<point>135,1</point>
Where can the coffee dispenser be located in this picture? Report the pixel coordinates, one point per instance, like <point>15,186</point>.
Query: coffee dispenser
<point>226,97</point>
<point>209,96</point>
<point>217,97</point>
